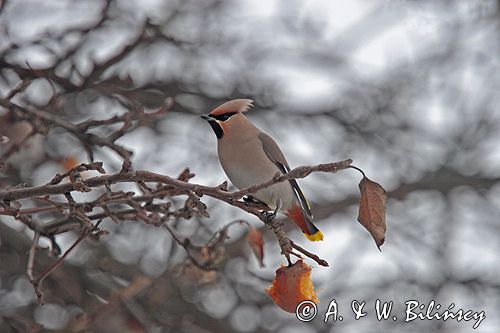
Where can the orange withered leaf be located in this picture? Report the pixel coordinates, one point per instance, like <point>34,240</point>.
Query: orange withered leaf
<point>254,239</point>
<point>69,162</point>
<point>292,285</point>
<point>372,209</point>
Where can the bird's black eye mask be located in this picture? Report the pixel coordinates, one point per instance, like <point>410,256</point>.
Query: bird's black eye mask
<point>225,116</point>
<point>215,125</point>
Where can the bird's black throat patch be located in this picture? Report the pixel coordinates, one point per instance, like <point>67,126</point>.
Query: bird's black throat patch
<point>217,129</point>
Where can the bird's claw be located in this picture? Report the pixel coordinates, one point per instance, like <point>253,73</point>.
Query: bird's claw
<point>270,215</point>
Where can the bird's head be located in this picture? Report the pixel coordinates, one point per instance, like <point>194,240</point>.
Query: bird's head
<point>223,117</point>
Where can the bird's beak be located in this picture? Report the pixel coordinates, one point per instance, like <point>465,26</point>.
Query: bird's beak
<point>207,117</point>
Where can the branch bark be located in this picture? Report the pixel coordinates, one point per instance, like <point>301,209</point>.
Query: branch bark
<point>147,176</point>
<point>149,213</point>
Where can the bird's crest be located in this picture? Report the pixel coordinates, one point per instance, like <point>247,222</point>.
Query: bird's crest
<point>235,105</point>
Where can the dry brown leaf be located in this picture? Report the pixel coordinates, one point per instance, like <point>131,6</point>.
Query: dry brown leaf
<point>254,238</point>
<point>372,209</point>
<point>292,285</point>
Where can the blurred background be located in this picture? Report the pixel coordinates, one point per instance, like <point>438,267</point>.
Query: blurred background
<point>410,90</point>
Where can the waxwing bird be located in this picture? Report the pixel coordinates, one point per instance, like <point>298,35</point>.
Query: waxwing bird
<point>249,157</point>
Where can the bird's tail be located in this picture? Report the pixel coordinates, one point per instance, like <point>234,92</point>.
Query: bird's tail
<point>308,228</point>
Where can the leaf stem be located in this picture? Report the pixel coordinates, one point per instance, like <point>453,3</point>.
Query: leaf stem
<point>356,168</point>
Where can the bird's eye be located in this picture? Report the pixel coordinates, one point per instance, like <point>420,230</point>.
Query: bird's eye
<point>224,117</point>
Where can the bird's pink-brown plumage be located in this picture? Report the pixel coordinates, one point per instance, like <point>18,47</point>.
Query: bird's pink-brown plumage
<point>249,157</point>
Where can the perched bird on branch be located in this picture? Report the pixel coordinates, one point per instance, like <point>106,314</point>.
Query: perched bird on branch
<point>249,157</point>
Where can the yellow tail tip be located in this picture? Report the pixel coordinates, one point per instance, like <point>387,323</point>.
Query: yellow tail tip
<point>318,236</point>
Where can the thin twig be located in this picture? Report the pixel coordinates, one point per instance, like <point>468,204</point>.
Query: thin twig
<point>185,243</point>
<point>296,173</point>
<point>314,257</point>
<point>31,257</point>
<point>38,281</point>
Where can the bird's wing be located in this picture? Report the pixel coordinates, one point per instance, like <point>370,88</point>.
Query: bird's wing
<point>276,156</point>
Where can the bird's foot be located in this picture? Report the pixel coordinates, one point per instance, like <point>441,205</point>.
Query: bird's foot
<point>270,216</point>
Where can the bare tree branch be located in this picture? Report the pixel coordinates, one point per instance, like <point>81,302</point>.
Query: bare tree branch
<point>146,176</point>
<point>204,257</point>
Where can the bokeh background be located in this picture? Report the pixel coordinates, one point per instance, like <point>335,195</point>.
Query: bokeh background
<point>410,90</point>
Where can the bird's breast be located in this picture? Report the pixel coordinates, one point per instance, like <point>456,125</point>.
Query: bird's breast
<point>246,164</point>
